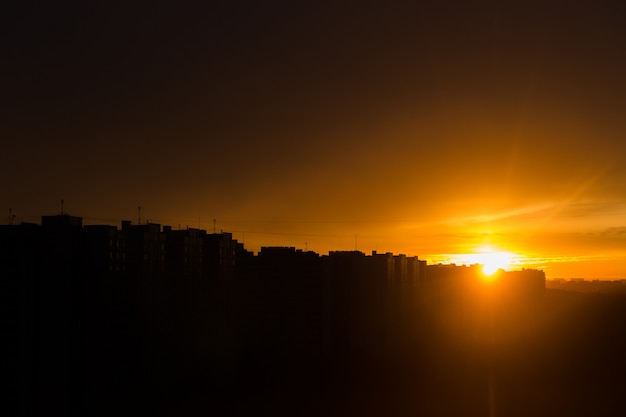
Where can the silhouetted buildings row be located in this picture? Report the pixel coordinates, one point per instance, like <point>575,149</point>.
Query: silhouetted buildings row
<point>89,307</point>
<point>64,248</point>
<point>97,311</point>
<point>599,287</point>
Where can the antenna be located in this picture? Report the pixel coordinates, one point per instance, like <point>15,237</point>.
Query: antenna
<point>62,204</point>
<point>306,246</point>
<point>139,214</point>
<point>11,216</point>
<point>355,246</point>
<point>214,220</point>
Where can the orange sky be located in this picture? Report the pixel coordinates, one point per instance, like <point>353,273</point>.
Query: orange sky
<point>427,129</point>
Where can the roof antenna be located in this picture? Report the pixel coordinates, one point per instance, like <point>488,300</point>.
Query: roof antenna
<point>139,214</point>
<point>11,216</point>
<point>62,204</point>
<point>214,220</point>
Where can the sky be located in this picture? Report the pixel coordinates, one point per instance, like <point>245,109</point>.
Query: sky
<point>433,128</point>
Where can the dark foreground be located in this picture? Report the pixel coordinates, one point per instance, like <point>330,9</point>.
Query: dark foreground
<point>565,356</point>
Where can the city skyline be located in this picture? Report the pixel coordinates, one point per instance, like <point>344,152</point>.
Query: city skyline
<point>153,318</point>
<point>490,257</point>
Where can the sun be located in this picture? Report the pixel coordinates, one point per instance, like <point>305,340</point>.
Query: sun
<point>492,261</point>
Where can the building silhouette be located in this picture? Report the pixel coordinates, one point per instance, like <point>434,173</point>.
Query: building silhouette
<point>148,309</point>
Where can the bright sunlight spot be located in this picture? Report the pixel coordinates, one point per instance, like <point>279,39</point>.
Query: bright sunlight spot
<point>492,261</point>
<point>490,258</point>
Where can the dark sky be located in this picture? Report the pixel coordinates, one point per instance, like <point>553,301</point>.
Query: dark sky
<point>313,121</point>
